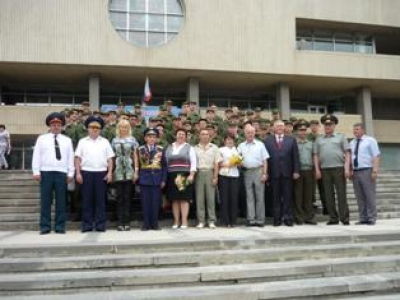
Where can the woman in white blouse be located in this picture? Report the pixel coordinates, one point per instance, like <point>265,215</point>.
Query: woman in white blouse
<point>228,183</point>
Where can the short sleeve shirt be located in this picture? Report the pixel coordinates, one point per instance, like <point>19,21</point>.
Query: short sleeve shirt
<point>331,150</point>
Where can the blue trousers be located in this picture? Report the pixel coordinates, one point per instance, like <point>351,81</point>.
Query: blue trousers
<point>94,190</point>
<point>151,199</point>
<point>53,182</point>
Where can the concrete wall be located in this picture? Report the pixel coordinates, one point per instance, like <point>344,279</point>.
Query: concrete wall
<point>229,35</point>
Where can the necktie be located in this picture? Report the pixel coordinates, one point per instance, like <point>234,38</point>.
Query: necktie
<point>57,147</point>
<point>355,162</point>
<point>280,138</point>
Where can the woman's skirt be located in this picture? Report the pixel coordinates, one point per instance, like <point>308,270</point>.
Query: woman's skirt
<point>173,193</point>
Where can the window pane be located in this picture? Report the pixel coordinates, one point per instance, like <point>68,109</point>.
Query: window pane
<point>118,4</point>
<point>137,21</point>
<point>118,19</point>
<point>156,39</point>
<point>137,5</point>
<point>174,23</point>
<point>174,7</point>
<point>156,6</point>
<point>138,38</point>
<point>156,23</point>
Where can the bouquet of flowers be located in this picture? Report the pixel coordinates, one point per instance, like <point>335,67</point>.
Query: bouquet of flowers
<point>181,182</point>
<point>235,160</point>
<point>157,159</point>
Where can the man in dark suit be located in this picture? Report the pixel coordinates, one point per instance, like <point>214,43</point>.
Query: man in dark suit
<point>284,167</point>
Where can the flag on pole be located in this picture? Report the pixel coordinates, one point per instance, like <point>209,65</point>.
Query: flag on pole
<point>147,92</point>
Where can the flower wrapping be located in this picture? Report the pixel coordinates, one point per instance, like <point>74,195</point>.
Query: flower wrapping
<point>235,160</point>
<point>181,182</point>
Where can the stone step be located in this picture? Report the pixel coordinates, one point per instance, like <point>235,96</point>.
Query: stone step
<point>315,288</point>
<point>19,195</point>
<point>20,202</point>
<point>198,258</point>
<point>59,282</point>
<point>19,189</point>
<point>18,182</point>
<point>192,240</point>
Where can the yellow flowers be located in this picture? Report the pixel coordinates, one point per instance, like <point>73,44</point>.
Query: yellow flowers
<point>181,182</point>
<point>235,160</point>
<point>157,160</point>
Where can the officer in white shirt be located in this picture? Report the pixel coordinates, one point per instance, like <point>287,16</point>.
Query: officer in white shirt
<point>53,167</point>
<point>93,164</point>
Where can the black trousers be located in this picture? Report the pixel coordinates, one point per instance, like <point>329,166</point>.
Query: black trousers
<point>282,194</point>
<point>124,192</point>
<point>229,193</point>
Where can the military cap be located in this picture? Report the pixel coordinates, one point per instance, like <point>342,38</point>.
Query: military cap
<point>228,110</point>
<point>150,131</point>
<point>176,118</point>
<point>120,103</point>
<point>328,119</point>
<point>85,103</point>
<point>210,110</point>
<point>314,122</point>
<point>203,119</point>
<point>94,121</point>
<point>249,112</point>
<point>232,124</point>
<point>234,116</point>
<point>169,102</point>
<point>186,122</point>
<point>152,119</point>
<point>112,112</point>
<point>160,125</point>
<point>258,109</point>
<point>293,119</point>
<point>55,117</point>
<point>302,124</point>
<point>210,126</point>
<point>241,113</point>
<point>288,122</point>
<point>137,105</point>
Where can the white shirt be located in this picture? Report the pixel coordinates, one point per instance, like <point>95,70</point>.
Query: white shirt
<point>279,138</point>
<point>368,149</point>
<point>226,154</point>
<point>44,155</point>
<point>94,153</point>
<point>254,154</point>
<point>192,155</point>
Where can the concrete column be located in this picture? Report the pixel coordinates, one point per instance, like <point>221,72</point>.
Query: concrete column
<point>193,91</point>
<point>283,100</point>
<point>94,91</point>
<point>364,107</point>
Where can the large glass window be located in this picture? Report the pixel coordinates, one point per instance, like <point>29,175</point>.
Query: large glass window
<point>324,40</point>
<point>147,23</point>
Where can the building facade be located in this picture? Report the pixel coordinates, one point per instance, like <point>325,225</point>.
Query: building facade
<point>303,57</point>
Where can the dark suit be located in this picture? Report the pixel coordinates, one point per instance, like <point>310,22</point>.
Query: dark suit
<point>283,162</point>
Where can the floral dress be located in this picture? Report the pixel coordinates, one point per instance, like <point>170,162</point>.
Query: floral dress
<point>124,148</point>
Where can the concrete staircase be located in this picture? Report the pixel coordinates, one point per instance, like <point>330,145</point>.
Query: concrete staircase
<point>19,201</point>
<point>252,263</point>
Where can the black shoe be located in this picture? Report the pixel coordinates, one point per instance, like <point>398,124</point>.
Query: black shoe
<point>260,225</point>
<point>361,223</point>
<point>346,223</point>
<point>288,223</point>
<point>312,222</point>
<point>156,228</point>
<point>100,230</point>
<point>277,223</point>
<point>120,228</point>
<point>371,223</point>
<point>127,228</point>
<point>144,229</point>
<point>299,222</point>
<point>332,223</point>
<point>60,231</point>
<point>86,230</point>
<point>43,232</point>
<point>250,224</point>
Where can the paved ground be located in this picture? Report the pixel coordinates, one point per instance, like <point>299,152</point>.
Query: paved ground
<point>26,238</point>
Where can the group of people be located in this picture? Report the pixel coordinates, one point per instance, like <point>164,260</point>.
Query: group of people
<point>274,165</point>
